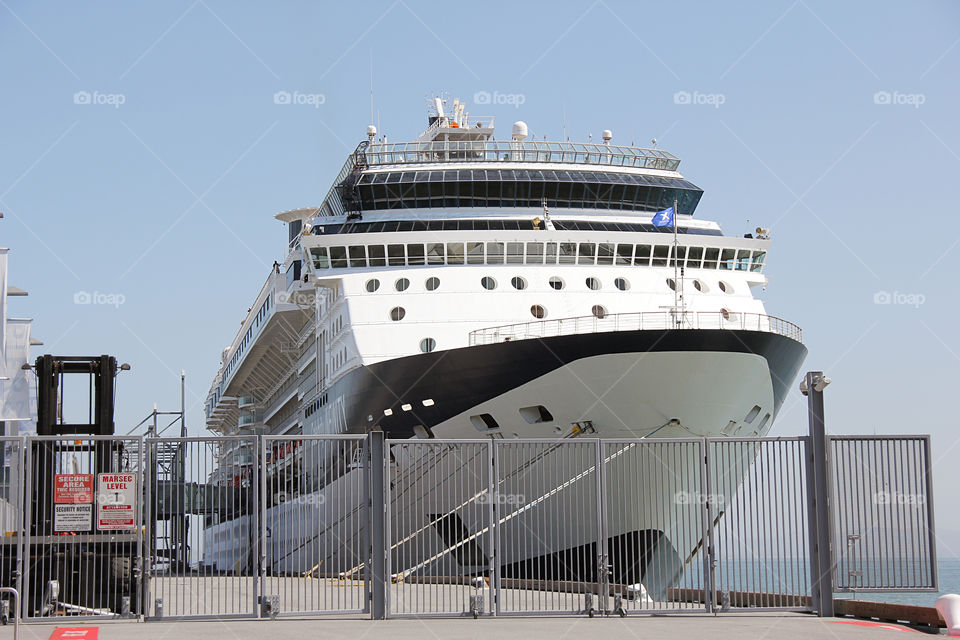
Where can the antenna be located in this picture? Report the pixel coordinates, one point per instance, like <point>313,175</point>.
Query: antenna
<point>654,143</point>
<point>371,86</point>
<point>563,120</point>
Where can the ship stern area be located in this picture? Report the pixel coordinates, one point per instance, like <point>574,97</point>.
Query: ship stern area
<point>684,383</point>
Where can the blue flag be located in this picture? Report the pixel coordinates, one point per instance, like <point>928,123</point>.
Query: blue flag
<point>663,218</point>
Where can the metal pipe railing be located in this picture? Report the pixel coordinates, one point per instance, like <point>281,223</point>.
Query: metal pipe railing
<point>652,320</point>
<point>16,610</point>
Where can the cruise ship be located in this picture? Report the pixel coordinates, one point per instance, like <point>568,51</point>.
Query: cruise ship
<point>461,287</point>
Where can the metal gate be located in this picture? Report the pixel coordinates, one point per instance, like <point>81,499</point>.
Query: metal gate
<point>256,526</point>
<point>202,496</point>
<point>314,524</point>
<point>82,536</point>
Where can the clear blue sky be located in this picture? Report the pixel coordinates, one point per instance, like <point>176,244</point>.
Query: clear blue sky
<point>167,199</point>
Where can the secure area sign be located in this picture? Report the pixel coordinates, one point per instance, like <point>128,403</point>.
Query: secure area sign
<point>73,502</point>
<point>116,502</point>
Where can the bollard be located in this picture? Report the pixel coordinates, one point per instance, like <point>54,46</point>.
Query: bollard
<point>158,608</point>
<point>125,607</point>
<point>949,608</point>
<point>16,609</point>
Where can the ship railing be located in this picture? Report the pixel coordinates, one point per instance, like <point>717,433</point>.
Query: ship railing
<point>640,321</point>
<point>515,151</point>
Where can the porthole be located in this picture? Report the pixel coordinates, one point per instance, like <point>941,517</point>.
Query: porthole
<point>556,283</point>
<point>397,314</point>
<point>672,284</point>
<point>538,311</point>
<point>726,287</point>
<point>372,285</point>
<point>621,283</point>
<point>488,283</point>
<point>700,285</point>
<point>727,314</point>
<point>593,284</point>
<point>427,345</point>
<point>402,284</point>
<point>433,284</point>
<point>518,283</point>
<point>599,311</point>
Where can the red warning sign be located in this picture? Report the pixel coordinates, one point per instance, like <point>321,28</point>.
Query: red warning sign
<point>73,488</point>
<point>116,502</point>
<point>74,633</point>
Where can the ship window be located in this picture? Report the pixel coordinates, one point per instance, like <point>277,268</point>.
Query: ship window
<point>338,257</point>
<point>750,417</point>
<point>514,253</point>
<point>484,422</point>
<point>414,254</point>
<point>758,257</point>
<point>518,283</point>
<point>488,283</point>
<point>605,253</point>
<point>700,285</point>
<point>538,311</point>
<point>599,311</point>
<point>672,284</point>
<point>433,284</point>
<point>494,253</point>
<point>377,257</point>
<point>763,423</point>
<point>568,252</point>
<point>726,287</point>
<point>660,253</point>
<point>624,253</point>
<point>358,256</point>
<point>373,285</point>
<point>455,253</point>
<point>710,257</point>
<point>397,314</point>
<point>536,415</point>
<point>726,259</point>
<point>556,283</point>
<point>319,256</point>
<point>642,257</point>
<point>621,283</point>
<point>588,253</point>
<point>395,255</point>
<point>694,256</point>
<point>474,253</point>
<point>435,253</point>
<point>678,253</point>
<point>593,284</point>
<point>427,345</point>
<point>534,253</point>
<point>551,253</point>
<point>743,259</point>
<point>402,284</point>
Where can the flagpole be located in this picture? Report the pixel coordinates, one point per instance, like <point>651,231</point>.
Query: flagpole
<point>676,265</point>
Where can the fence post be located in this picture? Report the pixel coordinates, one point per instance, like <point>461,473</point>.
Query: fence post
<point>378,540</point>
<point>709,558</point>
<point>820,531</point>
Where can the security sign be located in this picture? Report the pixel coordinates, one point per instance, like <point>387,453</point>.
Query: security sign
<point>116,502</point>
<point>73,488</point>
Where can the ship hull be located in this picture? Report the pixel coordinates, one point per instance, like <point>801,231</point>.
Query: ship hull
<point>618,385</point>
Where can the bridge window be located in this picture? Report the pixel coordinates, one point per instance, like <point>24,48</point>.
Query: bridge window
<point>568,252</point>
<point>726,259</point>
<point>358,256</point>
<point>454,253</point>
<point>395,255</point>
<point>338,257</point>
<point>514,253</point>
<point>494,253</point>
<point>377,256</point>
<point>605,253</point>
<point>474,253</point>
<point>319,257</point>
<point>642,257</point>
<point>588,253</point>
<point>534,253</point>
<point>694,257</point>
<point>435,253</point>
<point>660,253</point>
<point>710,258</point>
<point>415,254</point>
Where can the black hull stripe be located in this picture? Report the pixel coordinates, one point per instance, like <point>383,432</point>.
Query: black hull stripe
<point>459,379</point>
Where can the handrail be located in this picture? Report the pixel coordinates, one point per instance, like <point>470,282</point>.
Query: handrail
<point>639,321</point>
<point>516,151</point>
<point>16,610</point>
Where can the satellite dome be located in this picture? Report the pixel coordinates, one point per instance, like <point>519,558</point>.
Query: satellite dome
<point>519,130</point>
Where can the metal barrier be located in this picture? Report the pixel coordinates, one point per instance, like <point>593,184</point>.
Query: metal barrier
<point>201,525</point>
<point>261,526</point>
<point>313,527</point>
<point>883,514</point>
<point>82,536</point>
